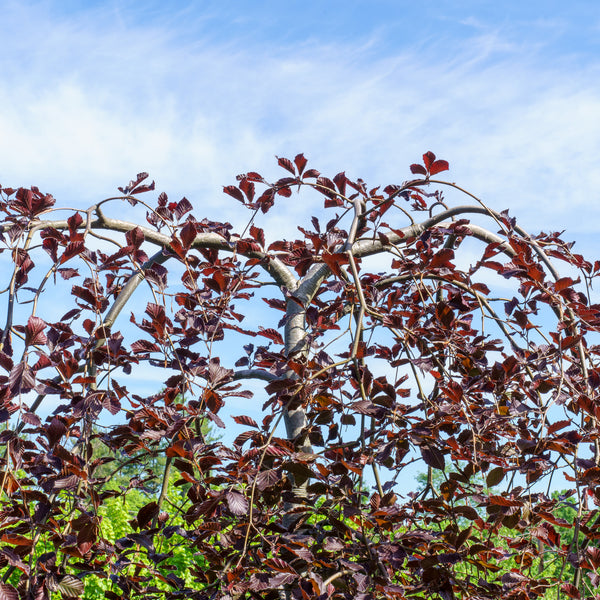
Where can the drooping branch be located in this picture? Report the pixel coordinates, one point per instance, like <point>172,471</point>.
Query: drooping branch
<point>274,266</point>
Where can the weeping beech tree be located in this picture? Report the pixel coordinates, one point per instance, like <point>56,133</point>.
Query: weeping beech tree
<point>399,333</point>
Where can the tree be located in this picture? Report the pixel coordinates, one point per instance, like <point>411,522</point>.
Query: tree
<point>397,329</point>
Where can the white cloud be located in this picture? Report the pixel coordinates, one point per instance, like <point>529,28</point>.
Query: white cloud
<point>95,101</point>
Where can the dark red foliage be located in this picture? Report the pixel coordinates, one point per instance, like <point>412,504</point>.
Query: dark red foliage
<point>482,370</point>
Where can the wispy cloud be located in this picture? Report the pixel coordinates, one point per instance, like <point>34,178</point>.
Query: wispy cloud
<point>88,101</point>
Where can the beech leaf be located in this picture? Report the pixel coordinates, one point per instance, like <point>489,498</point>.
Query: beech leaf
<point>434,458</point>
<point>237,503</point>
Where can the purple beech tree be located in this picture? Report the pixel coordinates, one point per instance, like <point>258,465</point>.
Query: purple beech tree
<point>428,360</point>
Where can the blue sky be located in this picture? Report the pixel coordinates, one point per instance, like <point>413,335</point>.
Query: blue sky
<point>195,92</point>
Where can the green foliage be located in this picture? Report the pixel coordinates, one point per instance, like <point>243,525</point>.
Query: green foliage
<point>117,515</point>
<point>118,520</point>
